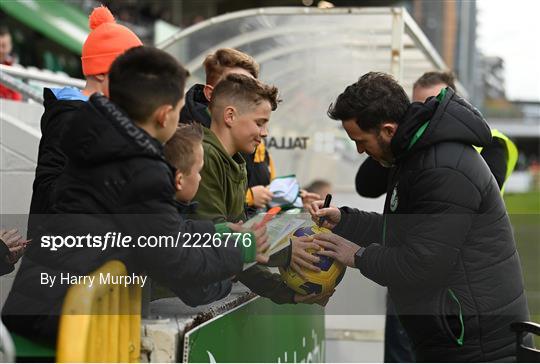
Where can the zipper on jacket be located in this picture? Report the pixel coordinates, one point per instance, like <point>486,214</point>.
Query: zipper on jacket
<point>461,337</point>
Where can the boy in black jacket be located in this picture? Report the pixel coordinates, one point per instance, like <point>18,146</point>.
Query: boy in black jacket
<point>118,180</point>
<point>185,153</point>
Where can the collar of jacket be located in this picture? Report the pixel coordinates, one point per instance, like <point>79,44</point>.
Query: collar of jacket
<point>186,208</point>
<point>445,118</point>
<point>412,127</point>
<point>121,121</point>
<point>236,162</point>
<point>196,107</point>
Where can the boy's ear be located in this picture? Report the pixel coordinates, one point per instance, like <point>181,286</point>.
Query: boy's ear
<point>161,114</point>
<point>229,115</point>
<point>207,91</point>
<point>178,180</point>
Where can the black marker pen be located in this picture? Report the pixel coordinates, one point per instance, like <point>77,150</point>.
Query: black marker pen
<point>326,204</point>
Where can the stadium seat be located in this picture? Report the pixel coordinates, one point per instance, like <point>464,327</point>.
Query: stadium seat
<point>526,354</point>
<point>101,323</point>
<point>27,350</point>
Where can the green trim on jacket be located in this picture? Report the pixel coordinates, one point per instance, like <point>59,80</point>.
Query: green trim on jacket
<point>249,251</point>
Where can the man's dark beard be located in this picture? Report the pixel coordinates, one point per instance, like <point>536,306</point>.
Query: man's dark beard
<point>387,159</point>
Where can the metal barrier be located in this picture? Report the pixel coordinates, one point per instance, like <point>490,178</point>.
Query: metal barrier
<point>13,77</point>
<point>7,349</point>
<point>101,323</point>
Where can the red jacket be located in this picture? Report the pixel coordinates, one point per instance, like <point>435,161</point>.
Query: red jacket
<point>5,92</point>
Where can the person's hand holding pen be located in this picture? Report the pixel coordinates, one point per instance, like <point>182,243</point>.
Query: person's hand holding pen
<point>331,216</point>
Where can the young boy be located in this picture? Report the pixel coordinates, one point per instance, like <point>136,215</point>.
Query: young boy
<point>240,110</point>
<point>184,151</point>
<point>259,165</point>
<point>117,180</point>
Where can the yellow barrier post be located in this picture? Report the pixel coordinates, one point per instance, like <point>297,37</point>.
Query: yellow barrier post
<point>101,323</point>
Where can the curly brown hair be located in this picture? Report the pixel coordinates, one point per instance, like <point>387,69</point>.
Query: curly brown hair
<point>375,98</point>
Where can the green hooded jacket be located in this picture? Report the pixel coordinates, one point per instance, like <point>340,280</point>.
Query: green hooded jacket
<point>221,197</point>
<point>223,185</point>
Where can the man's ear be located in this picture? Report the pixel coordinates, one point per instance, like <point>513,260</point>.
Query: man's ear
<point>101,77</point>
<point>178,180</point>
<point>229,115</point>
<point>207,91</point>
<point>388,129</point>
<point>161,114</point>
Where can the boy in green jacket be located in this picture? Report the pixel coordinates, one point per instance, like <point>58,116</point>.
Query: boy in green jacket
<point>240,109</point>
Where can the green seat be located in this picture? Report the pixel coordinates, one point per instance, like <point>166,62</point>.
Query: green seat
<point>26,348</point>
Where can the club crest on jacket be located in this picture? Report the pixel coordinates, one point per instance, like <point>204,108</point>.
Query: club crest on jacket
<point>394,199</point>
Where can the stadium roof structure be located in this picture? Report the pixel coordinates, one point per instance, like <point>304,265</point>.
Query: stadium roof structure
<point>339,42</point>
<point>311,55</point>
<point>61,22</point>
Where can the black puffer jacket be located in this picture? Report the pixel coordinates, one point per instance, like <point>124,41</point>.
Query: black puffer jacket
<point>5,267</point>
<point>196,107</point>
<point>60,105</point>
<point>116,180</point>
<point>444,246</point>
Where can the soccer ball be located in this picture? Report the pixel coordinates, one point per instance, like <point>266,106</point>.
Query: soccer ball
<point>317,282</point>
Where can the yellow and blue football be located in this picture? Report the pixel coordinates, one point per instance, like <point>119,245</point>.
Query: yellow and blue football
<point>317,282</point>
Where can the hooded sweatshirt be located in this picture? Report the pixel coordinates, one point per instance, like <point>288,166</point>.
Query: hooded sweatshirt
<point>221,197</point>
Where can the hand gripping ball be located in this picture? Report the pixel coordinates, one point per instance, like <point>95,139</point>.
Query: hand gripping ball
<point>317,282</point>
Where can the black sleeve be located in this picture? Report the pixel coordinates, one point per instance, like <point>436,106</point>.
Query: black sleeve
<point>202,295</point>
<point>371,179</point>
<point>360,227</point>
<point>5,267</point>
<point>496,158</point>
<point>51,159</point>
<point>178,266</point>
<point>267,284</point>
<point>441,216</point>
<point>199,226</point>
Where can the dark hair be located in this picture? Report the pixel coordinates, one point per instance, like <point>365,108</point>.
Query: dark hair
<point>145,78</point>
<point>429,79</point>
<point>376,97</point>
<point>215,64</point>
<point>244,89</point>
<point>179,150</point>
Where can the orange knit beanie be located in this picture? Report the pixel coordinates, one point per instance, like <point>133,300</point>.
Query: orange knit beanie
<point>106,41</point>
